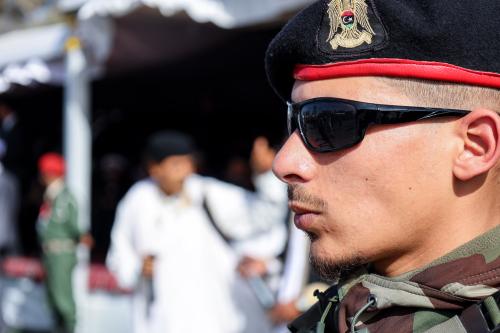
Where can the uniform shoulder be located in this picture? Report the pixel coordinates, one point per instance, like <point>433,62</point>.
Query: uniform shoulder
<point>210,186</point>
<point>142,188</point>
<point>199,187</point>
<point>65,197</point>
<point>206,181</point>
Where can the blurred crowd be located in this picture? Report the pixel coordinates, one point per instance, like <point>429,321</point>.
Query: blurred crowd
<point>191,253</point>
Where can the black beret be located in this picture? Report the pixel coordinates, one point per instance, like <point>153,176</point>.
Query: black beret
<point>168,143</point>
<point>443,40</point>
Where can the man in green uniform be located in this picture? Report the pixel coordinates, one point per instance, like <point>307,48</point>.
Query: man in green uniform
<point>59,235</point>
<point>393,161</point>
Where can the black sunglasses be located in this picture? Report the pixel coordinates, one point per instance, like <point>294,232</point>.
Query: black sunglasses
<point>330,124</point>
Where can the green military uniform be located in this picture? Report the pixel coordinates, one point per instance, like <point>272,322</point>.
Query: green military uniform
<point>59,234</point>
<point>440,297</point>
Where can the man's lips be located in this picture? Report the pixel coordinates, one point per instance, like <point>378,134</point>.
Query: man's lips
<point>304,216</point>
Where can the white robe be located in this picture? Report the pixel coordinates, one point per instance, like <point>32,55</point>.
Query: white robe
<point>295,270</point>
<point>197,288</point>
<point>9,207</point>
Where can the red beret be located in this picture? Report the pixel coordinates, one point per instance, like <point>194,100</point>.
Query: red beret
<point>51,163</point>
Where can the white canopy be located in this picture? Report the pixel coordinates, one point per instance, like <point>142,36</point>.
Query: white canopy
<point>34,55</point>
<point>25,54</point>
<point>224,13</point>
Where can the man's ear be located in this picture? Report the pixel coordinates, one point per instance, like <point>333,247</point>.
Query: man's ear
<point>479,131</point>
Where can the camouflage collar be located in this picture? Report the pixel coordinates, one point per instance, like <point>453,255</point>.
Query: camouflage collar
<point>447,285</point>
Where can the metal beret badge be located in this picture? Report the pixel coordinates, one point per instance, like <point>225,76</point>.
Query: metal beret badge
<point>349,27</point>
<point>349,24</point>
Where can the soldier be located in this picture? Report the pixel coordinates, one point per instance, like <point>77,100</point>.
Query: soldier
<point>59,235</point>
<point>392,161</point>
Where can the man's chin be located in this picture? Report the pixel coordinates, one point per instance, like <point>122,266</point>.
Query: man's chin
<point>331,268</point>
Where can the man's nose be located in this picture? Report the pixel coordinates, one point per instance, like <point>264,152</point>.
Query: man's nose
<point>294,163</point>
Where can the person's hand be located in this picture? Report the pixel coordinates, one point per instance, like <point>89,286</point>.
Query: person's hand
<point>262,156</point>
<point>87,240</point>
<point>283,313</point>
<point>249,267</point>
<point>148,266</point>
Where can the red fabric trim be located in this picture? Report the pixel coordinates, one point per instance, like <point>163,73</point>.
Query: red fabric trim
<point>428,70</point>
<point>23,267</point>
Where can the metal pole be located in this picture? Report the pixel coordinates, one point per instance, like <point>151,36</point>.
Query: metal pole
<point>77,131</point>
<point>77,142</point>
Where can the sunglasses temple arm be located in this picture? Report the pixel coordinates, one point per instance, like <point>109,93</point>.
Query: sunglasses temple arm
<point>444,114</point>
<point>399,116</point>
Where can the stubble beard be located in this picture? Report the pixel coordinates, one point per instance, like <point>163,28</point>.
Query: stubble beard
<point>329,269</point>
<point>332,271</point>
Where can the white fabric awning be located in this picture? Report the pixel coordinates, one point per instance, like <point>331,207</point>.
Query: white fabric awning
<point>224,13</point>
<point>33,56</point>
<point>25,55</point>
<point>43,43</point>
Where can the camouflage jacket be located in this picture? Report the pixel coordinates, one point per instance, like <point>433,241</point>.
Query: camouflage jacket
<point>430,299</point>
<point>57,226</point>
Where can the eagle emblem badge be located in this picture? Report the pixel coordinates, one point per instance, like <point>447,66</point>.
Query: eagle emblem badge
<point>349,24</point>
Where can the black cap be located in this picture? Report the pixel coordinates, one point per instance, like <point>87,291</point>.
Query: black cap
<point>168,143</point>
<point>445,40</point>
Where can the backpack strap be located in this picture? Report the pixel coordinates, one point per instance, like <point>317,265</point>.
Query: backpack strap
<point>480,317</point>
<point>214,224</point>
<point>484,316</point>
<point>451,325</point>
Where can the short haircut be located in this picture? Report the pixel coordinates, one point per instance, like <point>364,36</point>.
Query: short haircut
<point>447,95</point>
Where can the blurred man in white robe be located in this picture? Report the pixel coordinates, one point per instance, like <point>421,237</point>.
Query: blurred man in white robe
<point>178,237</point>
<point>9,207</point>
<point>294,293</point>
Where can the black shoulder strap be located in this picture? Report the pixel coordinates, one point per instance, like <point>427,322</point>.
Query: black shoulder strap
<point>311,320</point>
<point>483,317</point>
<point>221,233</point>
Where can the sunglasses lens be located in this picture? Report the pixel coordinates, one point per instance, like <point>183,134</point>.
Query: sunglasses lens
<point>329,126</point>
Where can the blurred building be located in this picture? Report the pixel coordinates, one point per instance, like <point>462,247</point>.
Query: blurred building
<point>194,65</point>
<point>143,65</point>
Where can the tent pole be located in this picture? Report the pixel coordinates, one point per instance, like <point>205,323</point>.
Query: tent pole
<point>77,142</point>
<point>77,131</point>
